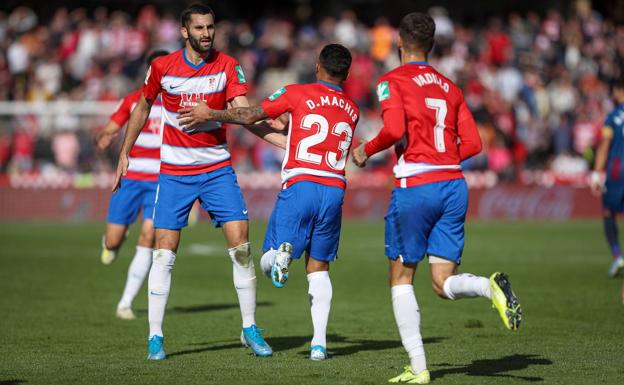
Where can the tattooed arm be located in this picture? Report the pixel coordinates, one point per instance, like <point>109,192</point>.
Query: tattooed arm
<point>201,113</point>
<point>252,118</point>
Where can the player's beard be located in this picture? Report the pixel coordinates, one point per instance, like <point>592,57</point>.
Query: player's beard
<point>400,53</point>
<point>196,44</point>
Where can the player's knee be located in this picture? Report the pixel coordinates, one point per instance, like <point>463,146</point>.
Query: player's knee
<point>146,238</point>
<point>241,255</point>
<point>437,283</point>
<point>164,257</point>
<point>112,244</point>
<point>113,241</point>
<point>315,265</point>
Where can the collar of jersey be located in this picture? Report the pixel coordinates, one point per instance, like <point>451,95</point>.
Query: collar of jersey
<point>194,66</point>
<point>421,63</point>
<point>330,85</point>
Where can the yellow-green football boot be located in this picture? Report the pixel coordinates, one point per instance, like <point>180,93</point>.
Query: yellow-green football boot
<point>409,377</point>
<point>505,301</point>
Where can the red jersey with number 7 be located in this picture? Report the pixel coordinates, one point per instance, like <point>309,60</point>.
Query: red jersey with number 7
<point>322,121</point>
<point>428,114</point>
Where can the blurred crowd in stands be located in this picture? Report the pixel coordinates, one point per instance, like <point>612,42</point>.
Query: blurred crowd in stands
<point>537,84</point>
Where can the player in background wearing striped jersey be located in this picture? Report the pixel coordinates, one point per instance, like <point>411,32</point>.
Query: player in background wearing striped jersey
<point>426,118</point>
<point>139,191</point>
<point>308,212</point>
<point>196,166</point>
<point>610,158</point>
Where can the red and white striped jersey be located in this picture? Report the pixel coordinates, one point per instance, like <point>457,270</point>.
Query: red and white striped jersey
<point>216,81</point>
<point>145,154</point>
<point>322,121</point>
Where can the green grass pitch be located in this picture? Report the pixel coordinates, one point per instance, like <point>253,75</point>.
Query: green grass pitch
<point>57,305</point>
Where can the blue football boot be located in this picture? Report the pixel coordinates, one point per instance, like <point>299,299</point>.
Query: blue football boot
<point>155,349</point>
<point>252,338</point>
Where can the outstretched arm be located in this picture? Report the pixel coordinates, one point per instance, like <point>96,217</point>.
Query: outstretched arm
<point>392,131</point>
<point>239,112</point>
<point>261,128</point>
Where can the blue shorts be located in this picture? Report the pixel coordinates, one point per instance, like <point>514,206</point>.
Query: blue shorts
<point>308,215</point>
<point>126,202</point>
<point>427,220</point>
<point>217,191</point>
<point>613,196</point>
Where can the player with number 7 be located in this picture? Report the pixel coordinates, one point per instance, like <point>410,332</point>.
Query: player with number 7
<point>307,215</point>
<point>426,118</point>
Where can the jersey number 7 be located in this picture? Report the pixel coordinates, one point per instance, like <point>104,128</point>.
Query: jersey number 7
<point>439,106</point>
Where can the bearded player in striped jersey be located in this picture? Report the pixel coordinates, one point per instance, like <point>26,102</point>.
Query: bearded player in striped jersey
<point>426,118</point>
<point>196,166</point>
<point>308,212</point>
<point>138,193</point>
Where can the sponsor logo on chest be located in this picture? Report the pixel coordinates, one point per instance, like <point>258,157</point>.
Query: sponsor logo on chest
<point>194,88</point>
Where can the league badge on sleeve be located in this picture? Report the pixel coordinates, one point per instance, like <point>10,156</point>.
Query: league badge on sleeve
<point>241,75</point>
<point>383,91</point>
<point>277,94</point>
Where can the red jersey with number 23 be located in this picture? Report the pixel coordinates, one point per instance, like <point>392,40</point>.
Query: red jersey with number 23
<point>144,159</point>
<point>216,81</point>
<point>428,112</point>
<point>322,121</point>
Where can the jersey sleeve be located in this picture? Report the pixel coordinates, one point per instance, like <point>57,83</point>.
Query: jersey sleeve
<point>470,140</point>
<point>391,132</point>
<point>388,95</point>
<point>236,84</point>
<point>278,102</point>
<point>393,115</point>
<point>122,112</point>
<point>152,81</point>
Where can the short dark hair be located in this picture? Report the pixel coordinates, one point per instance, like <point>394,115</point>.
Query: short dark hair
<point>155,54</point>
<point>618,84</point>
<point>194,9</point>
<point>336,60</point>
<point>417,31</point>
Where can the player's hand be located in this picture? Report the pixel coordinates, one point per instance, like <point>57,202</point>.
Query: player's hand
<point>596,183</point>
<point>358,155</point>
<point>122,170</point>
<point>103,141</point>
<point>190,116</point>
<point>276,124</point>
<point>279,124</point>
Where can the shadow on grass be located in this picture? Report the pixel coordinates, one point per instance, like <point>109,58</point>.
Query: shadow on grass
<point>361,345</point>
<point>497,367</point>
<point>204,308</point>
<point>234,345</point>
<point>11,382</point>
<point>293,342</point>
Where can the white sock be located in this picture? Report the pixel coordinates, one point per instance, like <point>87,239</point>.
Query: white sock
<point>139,267</point>
<point>245,283</point>
<point>267,261</point>
<point>320,296</point>
<point>466,286</point>
<point>407,317</point>
<point>158,286</point>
